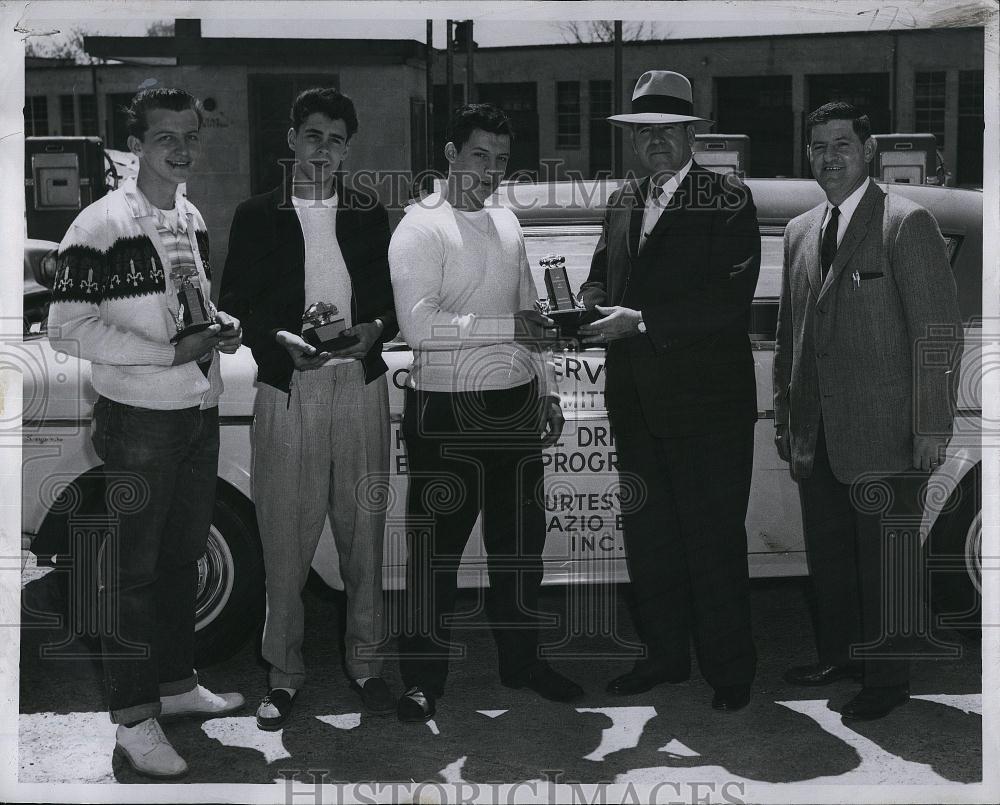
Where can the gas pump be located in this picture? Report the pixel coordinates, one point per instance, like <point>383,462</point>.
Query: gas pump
<point>905,158</point>
<point>723,153</point>
<point>62,175</point>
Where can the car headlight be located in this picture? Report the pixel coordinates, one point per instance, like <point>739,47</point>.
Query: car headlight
<point>49,265</point>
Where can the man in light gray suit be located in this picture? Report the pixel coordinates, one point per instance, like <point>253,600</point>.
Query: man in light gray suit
<point>865,370</point>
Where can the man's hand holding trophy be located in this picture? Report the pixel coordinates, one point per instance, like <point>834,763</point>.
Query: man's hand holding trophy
<point>323,335</point>
<point>200,327</point>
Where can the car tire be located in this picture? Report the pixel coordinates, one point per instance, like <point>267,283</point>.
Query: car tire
<point>229,608</point>
<point>230,597</point>
<point>954,559</point>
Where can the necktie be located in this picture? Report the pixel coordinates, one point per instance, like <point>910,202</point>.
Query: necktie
<point>655,192</point>
<point>828,251</point>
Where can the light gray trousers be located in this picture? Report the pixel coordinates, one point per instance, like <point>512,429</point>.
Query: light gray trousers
<point>323,450</point>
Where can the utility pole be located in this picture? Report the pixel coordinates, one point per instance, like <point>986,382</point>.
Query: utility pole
<point>618,161</point>
<point>449,67</point>
<point>470,84</point>
<point>429,105</point>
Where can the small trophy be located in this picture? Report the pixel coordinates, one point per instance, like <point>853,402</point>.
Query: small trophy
<point>562,305</point>
<point>193,313</point>
<point>323,327</point>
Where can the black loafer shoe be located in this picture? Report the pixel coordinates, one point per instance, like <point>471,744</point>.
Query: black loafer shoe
<point>415,706</point>
<point>819,674</point>
<point>729,698</point>
<point>281,701</point>
<point>872,703</point>
<point>547,683</point>
<point>638,682</point>
<point>375,696</point>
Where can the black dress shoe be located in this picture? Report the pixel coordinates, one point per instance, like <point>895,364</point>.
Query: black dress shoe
<point>730,698</point>
<point>547,683</point>
<point>279,700</point>
<point>415,706</point>
<point>375,696</point>
<point>819,674</point>
<point>639,682</point>
<point>874,703</point>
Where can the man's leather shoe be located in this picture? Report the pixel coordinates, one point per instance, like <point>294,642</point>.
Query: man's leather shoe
<point>199,702</point>
<point>819,674</point>
<point>275,709</point>
<point>375,696</point>
<point>639,682</point>
<point>872,703</point>
<point>148,751</point>
<point>415,706</point>
<point>547,683</point>
<point>729,698</point>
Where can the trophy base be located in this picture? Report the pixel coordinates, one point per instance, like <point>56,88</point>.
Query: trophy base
<point>570,320</point>
<point>190,329</point>
<point>313,338</point>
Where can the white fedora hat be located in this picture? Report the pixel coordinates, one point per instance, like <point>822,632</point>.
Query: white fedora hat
<point>660,96</point>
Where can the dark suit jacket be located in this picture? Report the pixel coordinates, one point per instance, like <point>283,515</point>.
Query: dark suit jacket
<point>694,282</point>
<point>263,283</point>
<point>875,348</point>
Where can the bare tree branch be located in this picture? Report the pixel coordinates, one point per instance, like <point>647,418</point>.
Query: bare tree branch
<point>66,45</point>
<point>584,31</point>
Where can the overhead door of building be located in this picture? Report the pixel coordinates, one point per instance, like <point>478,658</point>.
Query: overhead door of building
<point>270,100</point>
<point>520,102</point>
<point>761,108</point>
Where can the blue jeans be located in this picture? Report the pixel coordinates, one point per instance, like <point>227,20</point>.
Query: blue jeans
<point>160,469</point>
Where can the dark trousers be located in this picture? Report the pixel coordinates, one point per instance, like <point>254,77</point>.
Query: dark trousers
<point>686,546</point>
<point>470,454</point>
<point>160,472</point>
<point>863,547</point>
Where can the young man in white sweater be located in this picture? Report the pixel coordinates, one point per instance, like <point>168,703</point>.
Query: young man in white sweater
<point>115,303</point>
<point>481,402</point>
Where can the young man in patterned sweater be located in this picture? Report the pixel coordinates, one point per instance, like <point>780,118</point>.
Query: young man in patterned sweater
<point>115,303</point>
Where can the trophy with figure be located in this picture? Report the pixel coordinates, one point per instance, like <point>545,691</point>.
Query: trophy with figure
<point>323,327</point>
<point>562,306</point>
<point>194,314</point>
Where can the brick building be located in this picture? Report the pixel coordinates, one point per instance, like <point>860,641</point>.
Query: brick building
<point>927,80</point>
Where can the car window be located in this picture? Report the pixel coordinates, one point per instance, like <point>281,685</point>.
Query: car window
<point>577,244</point>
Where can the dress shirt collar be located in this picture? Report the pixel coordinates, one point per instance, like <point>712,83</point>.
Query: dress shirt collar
<point>142,207</point>
<point>669,187</point>
<point>847,206</point>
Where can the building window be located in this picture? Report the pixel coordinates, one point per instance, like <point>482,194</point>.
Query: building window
<point>36,116</point>
<point>88,116</point>
<point>567,114</point>
<point>928,104</point>
<point>67,115</point>
<point>601,100</point>
<point>970,128</point>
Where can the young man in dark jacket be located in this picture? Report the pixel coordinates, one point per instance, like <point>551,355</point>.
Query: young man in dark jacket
<point>321,418</point>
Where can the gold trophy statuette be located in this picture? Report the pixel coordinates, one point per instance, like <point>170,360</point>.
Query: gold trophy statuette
<point>323,327</point>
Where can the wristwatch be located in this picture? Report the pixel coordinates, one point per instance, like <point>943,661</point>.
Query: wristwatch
<point>642,324</point>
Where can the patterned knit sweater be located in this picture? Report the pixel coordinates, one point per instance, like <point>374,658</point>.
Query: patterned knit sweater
<point>113,303</point>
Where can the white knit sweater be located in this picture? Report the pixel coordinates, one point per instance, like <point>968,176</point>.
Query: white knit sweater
<point>457,279</point>
<point>114,304</point>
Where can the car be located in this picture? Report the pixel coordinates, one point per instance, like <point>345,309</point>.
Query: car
<point>63,504</point>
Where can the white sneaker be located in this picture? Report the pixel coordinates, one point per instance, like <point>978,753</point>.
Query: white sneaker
<point>148,751</point>
<point>199,701</point>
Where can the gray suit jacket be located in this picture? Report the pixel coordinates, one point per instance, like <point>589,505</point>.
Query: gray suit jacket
<point>875,348</point>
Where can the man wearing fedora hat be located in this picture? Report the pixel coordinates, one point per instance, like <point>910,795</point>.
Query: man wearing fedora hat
<point>673,277</point>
